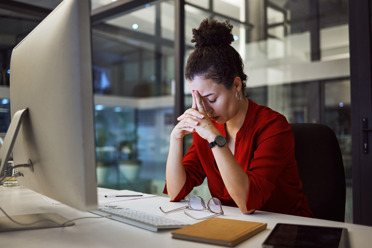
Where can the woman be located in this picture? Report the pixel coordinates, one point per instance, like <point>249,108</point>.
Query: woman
<point>245,150</point>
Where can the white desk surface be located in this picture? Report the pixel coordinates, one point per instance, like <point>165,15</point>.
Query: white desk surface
<point>102,232</point>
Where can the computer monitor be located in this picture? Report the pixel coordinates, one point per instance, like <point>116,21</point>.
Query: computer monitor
<point>51,88</point>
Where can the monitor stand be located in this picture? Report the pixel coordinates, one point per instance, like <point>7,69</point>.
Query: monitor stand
<point>27,221</point>
<point>9,141</point>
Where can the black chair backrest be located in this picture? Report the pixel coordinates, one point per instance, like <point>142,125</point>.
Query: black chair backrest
<point>321,170</point>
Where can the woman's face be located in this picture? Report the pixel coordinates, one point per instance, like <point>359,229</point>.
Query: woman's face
<point>219,103</point>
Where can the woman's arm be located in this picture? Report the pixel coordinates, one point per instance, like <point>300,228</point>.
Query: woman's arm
<point>175,171</point>
<point>234,177</point>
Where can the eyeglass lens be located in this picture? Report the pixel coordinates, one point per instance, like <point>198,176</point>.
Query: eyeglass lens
<point>214,205</point>
<point>196,203</point>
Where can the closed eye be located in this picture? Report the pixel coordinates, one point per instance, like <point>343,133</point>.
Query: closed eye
<point>212,101</point>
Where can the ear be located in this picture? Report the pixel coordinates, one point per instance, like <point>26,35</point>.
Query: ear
<point>238,83</point>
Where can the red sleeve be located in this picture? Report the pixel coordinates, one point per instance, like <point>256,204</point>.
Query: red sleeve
<point>273,155</point>
<point>195,174</point>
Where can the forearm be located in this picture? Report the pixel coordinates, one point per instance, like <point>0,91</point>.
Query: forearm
<point>175,172</point>
<point>234,177</point>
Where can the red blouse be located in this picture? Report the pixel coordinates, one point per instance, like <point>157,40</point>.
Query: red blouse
<point>264,148</point>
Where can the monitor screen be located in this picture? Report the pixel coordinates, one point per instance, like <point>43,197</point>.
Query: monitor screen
<point>51,77</point>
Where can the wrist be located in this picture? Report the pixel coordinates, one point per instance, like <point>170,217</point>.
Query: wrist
<point>175,137</point>
<point>219,141</point>
<point>213,136</point>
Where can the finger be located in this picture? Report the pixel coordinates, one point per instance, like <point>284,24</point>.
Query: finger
<point>199,102</point>
<point>189,122</point>
<point>182,131</point>
<point>190,113</point>
<point>193,100</point>
<point>184,126</point>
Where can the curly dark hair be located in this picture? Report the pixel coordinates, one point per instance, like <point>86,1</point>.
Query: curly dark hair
<point>213,56</point>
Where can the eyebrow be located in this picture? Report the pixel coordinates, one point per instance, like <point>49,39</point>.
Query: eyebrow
<point>208,95</point>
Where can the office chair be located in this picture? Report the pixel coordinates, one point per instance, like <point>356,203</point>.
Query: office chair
<point>321,170</point>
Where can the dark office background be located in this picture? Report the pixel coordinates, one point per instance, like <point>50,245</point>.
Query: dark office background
<point>309,60</point>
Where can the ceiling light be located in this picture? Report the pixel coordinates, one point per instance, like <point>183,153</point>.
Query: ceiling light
<point>99,107</point>
<point>117,109</point>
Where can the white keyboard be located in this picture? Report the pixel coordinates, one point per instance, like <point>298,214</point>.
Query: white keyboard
<point>137,218</point>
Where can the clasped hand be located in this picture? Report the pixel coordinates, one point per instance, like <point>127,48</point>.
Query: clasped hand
<point>195,119</point>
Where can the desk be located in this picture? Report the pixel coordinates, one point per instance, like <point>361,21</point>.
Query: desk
<point>102,232</point>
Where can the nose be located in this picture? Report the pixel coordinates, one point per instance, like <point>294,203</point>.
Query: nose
<point>208,109</point>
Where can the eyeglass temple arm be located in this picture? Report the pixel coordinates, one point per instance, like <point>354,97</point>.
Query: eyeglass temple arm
<point>203,218</point>
<point>173,210</point>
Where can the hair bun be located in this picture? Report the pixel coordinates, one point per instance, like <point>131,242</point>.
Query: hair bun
<point>213,33</point>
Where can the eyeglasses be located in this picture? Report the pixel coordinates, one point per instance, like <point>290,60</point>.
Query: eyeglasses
<point>197,203</point>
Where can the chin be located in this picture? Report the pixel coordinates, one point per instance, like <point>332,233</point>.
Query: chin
<point>219,120</point>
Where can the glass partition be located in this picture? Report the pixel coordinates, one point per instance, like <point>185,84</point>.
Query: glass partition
<point>296,56</point>
<point>133,62</point>
<point>4,114</point>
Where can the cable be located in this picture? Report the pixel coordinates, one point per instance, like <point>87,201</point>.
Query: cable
<point>25,224</point>
<point>61,225</point>
<point>20,165</point>
<point>9,171</point>
<point>80,218</point>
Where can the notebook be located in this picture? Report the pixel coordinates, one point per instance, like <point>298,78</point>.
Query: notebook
<point>220,231</point>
